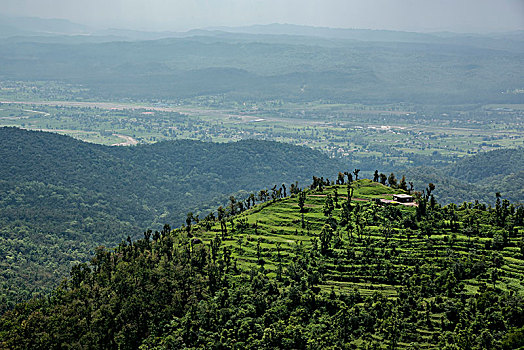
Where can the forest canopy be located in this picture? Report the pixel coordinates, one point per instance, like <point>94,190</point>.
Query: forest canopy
<point>60,197</point>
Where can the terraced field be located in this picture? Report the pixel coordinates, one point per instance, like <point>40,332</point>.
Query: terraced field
<point>314,270</point>
<point>384,250</point>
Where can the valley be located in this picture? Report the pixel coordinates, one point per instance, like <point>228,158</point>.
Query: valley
<point>369,137</point>
<point>272,186</point>
<point>55,211</point>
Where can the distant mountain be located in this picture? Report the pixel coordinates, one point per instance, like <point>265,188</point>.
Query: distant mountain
<point>244,67</point>
<point>333,33</point>
<point>60,197</point>
<point>52,30</point>
<point>20,26</point>
<point>509,41</point>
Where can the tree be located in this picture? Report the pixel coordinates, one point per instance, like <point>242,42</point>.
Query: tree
<point>341,178</point>
<point>350,192</point>
<point>294,189</point>
<point>392,328</point>
<point>274,193</point>
<point>301,203</point>
<point>356,171</point>
<point>189,219</point>
<point>376,176</point>
<point>242,225</point>
<point>262,195</point>
<point>383,179</point>
<point>429,189</point>
<point>251,200</point>
<point>403,185</point>
<point>359,220</point>
<point>350,177</point>
<point>232,205</point>
<point>346,213</point>
<point>208,221</point>
<point>222,218</point>
<point>318,183</point>
<point>328,205</point>
<point>392,180</point>
<point>301,200</point>
<point>325,239</point>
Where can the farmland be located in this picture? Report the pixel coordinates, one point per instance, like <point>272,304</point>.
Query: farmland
<point>390,136</point>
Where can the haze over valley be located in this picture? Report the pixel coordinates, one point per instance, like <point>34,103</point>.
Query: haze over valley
<point>262,174</point>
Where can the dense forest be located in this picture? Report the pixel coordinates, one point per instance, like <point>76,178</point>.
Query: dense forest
<point>323,267</point>
<point>60,197</point>
<point>478,177</point>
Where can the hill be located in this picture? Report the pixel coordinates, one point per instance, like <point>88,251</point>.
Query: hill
<point>60,197</point>
<point>478,177</point>
<point>313,270</point>
<point>30,26</point>
<point>514,39</point>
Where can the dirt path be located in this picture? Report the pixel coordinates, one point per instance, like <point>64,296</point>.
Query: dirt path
<point>38,112</point>
<point>129,140</point>
<point>341,197</point>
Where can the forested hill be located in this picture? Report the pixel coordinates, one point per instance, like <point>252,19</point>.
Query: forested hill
<point>60,197</point>
<point>488,164</point>
<point>329,267</point>
<point>478,177</point>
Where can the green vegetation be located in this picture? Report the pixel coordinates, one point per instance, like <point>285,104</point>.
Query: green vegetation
<point>380,137</point>
<point>258,260</point>
<point>60,197</point>
<point>284,272</point>
<point>476,178</point>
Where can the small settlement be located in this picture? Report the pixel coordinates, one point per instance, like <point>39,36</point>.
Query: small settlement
<point>404,199</point>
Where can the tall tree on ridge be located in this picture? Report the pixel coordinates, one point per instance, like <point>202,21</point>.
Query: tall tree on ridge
<point>383,179</point>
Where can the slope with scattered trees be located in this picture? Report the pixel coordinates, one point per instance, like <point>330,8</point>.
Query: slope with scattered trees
<point>328,267</point>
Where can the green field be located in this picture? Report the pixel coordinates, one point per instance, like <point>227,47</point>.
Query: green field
<point>369,137</point>
<point>280,222</point>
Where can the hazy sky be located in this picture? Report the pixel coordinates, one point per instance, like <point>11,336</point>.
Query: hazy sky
<point>411,15</point>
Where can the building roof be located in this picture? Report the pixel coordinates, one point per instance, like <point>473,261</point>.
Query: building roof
<point>402,196</point>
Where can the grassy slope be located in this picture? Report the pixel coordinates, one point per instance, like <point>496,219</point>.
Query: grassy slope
<point>279,223</point>
<point>443,271</point>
